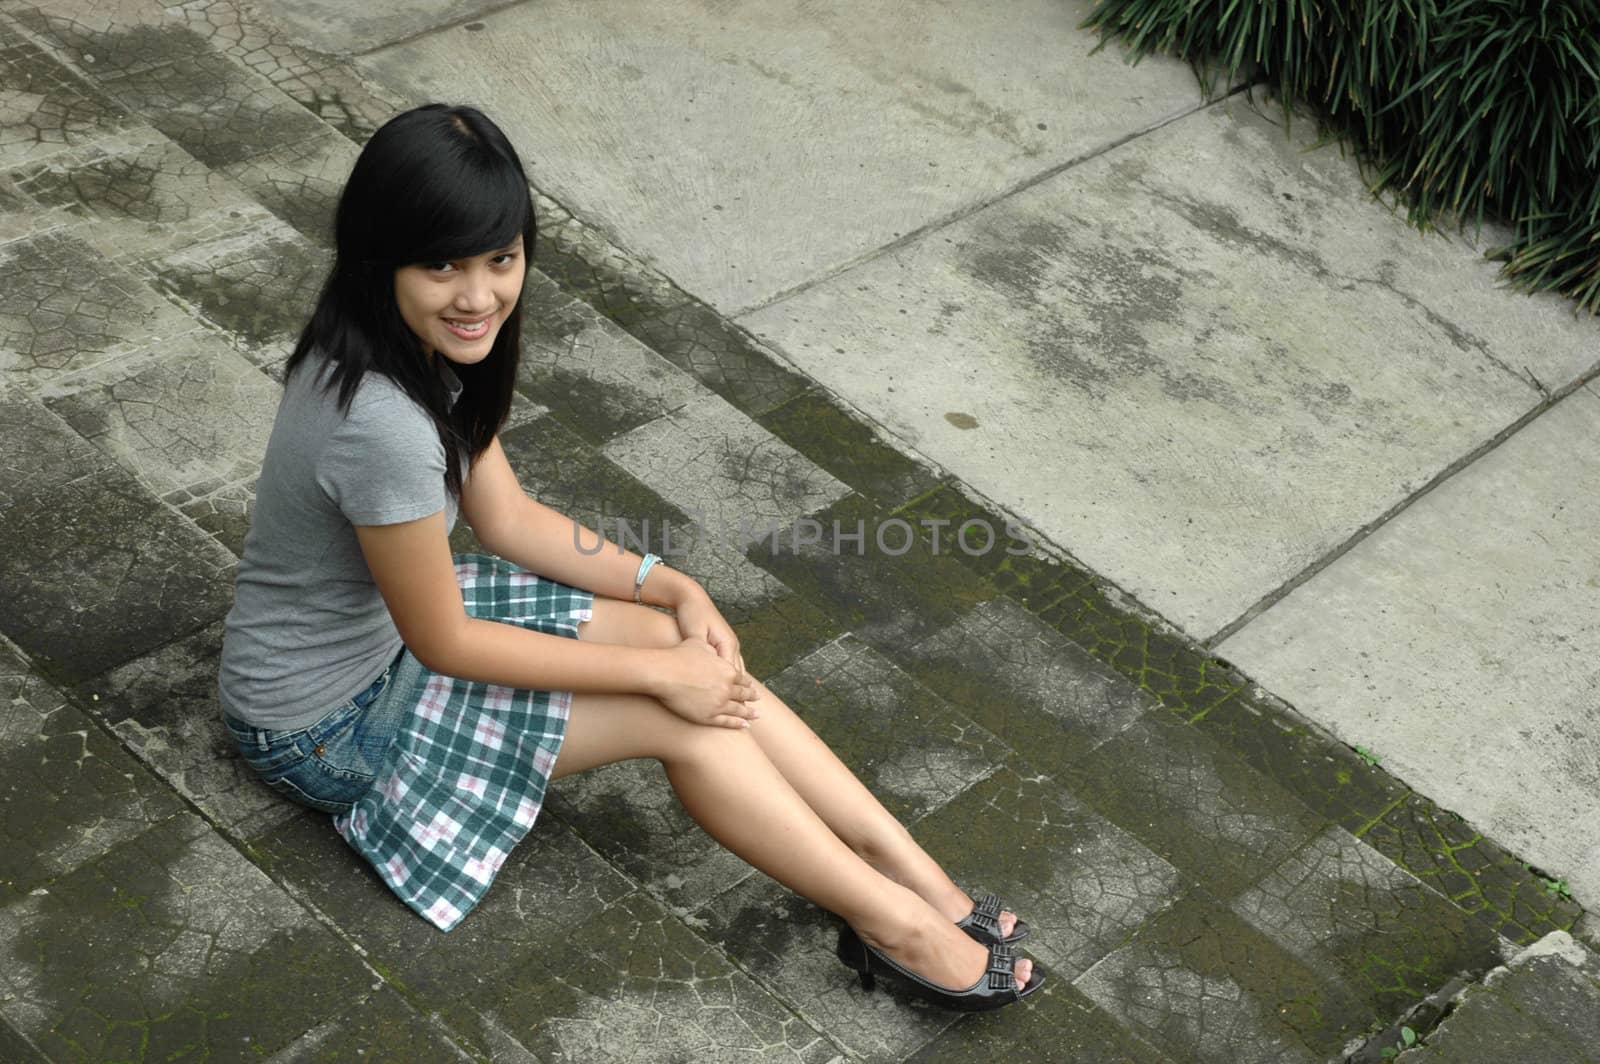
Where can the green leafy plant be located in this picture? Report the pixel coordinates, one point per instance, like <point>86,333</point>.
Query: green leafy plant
<point>1469,109</point>
<point>1408,1039</point>
<point>1367,755</point>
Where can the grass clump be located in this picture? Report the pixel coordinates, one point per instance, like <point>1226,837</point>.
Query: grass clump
<point>1469,109</point>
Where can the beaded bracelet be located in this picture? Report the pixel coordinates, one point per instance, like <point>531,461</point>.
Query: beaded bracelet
<point>650,562</point>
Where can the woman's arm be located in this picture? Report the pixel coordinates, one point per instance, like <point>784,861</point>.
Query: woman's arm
<point>546,542</point>
<point>541,540</point>
<point>415,573</point>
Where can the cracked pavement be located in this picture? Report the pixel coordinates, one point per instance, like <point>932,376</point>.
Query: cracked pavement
<point>1095,725</point>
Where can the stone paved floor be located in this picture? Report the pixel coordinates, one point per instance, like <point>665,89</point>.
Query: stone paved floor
<point>1211,879</point>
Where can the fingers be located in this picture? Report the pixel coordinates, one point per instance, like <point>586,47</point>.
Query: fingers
<point>728,720</point>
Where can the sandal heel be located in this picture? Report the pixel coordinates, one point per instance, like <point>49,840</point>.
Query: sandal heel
<point>997,989</point>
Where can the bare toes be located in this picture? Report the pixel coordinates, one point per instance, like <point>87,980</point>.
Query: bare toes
<point>1008,923</point>
<point>1024,972</point>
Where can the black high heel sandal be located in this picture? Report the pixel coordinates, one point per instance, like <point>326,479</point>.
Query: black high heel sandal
<point>995,989</point>
<point>982,924</point>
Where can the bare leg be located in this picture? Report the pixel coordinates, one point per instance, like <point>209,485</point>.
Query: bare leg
<point>824,782</point>
<point>739,797</point>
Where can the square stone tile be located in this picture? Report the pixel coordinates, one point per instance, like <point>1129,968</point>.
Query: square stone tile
<point>70,792</point>
<point>44,107</point>
<point>163,706</point>
<point>334,92</point>
<point>223,512</point>
<point>726,358</point>
<point>839,440</point>
<point>1216,819</point>
<point>1202,986</point>
<point>1476,873</point>
<point>336,30</point>
<point>239,32</point>
<point>775,633</point>
<point>301,181</point>
<point>64,308</point>
<point>632,817</point>
<point>22,217</point>
<point>555,466</point>
<point>634,984</point>
<point>910,747</point>
<point>599,379</point>
<point>876,576</point>
<point>550,885</point>
<point>382,1026</point>
<point>218,111</point>
<point>107,39</point>
<point>1022,680</point>
<point>727,472</point>
<point>185,417</point>
<point>170,945</point>
<point>1059,1024</point>
<point>135,195</point>
<point>789,944</point>
<point>96,570</point>
<point>1083,885</point>
<point>583,261</point>
<point>1322,772</point>
<point>1339,905</point>
<point>16,1049</point>
<point>258,284</point>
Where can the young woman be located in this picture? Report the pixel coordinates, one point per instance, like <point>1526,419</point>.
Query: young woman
<point>426,699</point>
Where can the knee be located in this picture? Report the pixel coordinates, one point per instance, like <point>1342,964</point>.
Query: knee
<point>703,744</point>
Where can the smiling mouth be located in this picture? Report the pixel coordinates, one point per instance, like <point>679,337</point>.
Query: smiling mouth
<point>469,329</point>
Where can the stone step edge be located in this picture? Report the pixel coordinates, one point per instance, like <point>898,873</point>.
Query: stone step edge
<point>1431,1015</point>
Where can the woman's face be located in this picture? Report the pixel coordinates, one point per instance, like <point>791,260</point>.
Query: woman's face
<point>456,308</point>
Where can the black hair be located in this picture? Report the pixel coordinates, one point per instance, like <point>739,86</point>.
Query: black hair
<point>433,184</point>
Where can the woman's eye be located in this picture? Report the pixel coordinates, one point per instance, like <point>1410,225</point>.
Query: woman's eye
<point>505,260</point>
<point>436,267</point>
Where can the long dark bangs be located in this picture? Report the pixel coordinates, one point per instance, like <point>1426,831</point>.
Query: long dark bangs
<point>433,184</point>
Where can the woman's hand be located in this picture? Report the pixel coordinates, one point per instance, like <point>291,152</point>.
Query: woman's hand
<point>699,619</point>
<point>697,684</point>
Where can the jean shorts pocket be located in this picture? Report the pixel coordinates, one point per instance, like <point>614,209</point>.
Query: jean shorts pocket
<point>327,766</point>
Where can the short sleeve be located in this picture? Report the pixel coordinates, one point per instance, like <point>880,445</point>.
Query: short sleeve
<point>385,464</point>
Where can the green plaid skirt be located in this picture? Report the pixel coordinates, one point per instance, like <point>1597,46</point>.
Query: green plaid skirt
<point>465,778</point>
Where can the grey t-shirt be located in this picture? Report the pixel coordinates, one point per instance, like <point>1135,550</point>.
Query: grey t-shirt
<point>308,629</point>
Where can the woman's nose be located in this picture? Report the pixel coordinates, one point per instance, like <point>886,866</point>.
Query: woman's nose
<point>474,293</point>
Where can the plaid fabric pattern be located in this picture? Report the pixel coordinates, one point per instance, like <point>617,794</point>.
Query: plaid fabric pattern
<point>464,780</point>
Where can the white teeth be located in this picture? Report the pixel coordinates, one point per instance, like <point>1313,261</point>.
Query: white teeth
<point>468,327</point>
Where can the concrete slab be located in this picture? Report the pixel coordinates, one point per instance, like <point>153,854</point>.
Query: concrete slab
<point>1543,1005</point>
<point>1198,362</point>
<point>764,144</point>
<point>1459,641</point>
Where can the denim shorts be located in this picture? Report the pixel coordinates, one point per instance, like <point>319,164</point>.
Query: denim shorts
<point>332,763</point>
